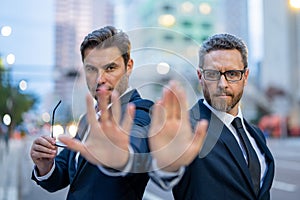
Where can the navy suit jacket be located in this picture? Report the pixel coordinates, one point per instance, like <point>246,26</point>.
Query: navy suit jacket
<point>88,182</point>
<point>220,171</point>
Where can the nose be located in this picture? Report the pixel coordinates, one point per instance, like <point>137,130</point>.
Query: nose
<point>223,83</point>
<point>101,78</point>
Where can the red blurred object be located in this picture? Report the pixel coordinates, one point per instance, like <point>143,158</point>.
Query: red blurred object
<point>271,125</point>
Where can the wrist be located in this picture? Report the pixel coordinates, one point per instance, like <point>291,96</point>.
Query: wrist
<point>167,168</point>
<point>42,171</point>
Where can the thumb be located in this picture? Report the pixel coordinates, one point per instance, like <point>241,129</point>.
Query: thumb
<point>72,143</point>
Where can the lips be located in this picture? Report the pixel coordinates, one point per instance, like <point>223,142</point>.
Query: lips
<point>104,88</point>
<point>223,95</point>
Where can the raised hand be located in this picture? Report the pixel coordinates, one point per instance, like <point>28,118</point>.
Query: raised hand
<point>108,140</point>
<point>172,142</point>
<point>43,152</point>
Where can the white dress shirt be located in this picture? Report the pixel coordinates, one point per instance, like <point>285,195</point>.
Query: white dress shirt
<point>227,120</point>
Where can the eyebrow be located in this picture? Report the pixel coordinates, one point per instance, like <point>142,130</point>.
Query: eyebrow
<point>112,64</point>
<point>104,66</point>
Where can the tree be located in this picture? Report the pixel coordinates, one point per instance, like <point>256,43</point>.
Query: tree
<point>12,101</point>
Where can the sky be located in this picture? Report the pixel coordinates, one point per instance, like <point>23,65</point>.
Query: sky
<point>31,41</point>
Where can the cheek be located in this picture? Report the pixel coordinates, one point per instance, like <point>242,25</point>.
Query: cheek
<point>207,85</point>
<point>90,80</point>
<point>115,77</point>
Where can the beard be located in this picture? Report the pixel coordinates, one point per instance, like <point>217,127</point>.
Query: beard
<point>221,104</point>
<point>120,87</point>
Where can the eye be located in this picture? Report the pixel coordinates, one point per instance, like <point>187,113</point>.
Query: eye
<point>110,67</point>
<point>90,69</point>
<point>212,73</point>
<point>232,73</point>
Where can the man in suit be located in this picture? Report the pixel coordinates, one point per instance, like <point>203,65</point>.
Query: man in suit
<point>107,64</point>
<point>234,161</point>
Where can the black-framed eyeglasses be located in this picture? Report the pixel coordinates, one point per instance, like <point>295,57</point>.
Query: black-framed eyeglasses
<point>57,143</point>
<point>230,75</point>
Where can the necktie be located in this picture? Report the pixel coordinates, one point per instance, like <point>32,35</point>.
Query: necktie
<point>253,162</point>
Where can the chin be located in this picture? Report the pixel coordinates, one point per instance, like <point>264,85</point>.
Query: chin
<point>220,105</point>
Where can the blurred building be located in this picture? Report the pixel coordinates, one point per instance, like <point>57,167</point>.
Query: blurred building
<point>280,69</point>
<point>177,29</point>
<point>74,20</point>
<point>166,35</point>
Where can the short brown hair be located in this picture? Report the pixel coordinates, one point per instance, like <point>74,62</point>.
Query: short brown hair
<point>223,41</point>
<point>105,37</point>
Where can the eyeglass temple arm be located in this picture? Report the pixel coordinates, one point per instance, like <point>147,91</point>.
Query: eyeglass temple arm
<point>53,113</point>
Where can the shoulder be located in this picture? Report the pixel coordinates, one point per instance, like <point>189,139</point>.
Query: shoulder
<point>139,102</point>
<point>200,111</point>
<point>257,130</point>
<point>143,104</point>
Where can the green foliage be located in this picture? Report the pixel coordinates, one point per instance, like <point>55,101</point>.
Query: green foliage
<point>13,102</point>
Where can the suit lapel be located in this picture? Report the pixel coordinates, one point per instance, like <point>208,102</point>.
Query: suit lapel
<point>235,151</point>
<point>268,178</point>
<point>218,131</point>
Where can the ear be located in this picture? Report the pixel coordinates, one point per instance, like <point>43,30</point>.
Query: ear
<point>199,74</point>
<point>246,74</point>
<point>129,67</point>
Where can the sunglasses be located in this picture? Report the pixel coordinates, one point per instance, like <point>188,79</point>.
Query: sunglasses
<point>57,143</point>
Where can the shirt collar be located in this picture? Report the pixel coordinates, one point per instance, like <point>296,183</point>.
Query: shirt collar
<point>223,116</point>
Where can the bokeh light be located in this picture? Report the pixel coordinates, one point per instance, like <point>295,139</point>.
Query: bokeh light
<point>163,68</point>
<point>166,20</point>
<point>23,85</point>
<point>6,31</point>
<point>7,119</point>
<point>10,59</point>
<point>295,4</point>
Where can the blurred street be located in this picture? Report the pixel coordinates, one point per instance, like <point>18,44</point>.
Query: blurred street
<point>16,166</point>
<point>287,174</point>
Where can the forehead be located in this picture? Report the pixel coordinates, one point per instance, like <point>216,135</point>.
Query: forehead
<point>100,57</point>
<point>227,59</point>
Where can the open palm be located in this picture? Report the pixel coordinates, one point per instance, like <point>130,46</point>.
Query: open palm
<point>108,140</point>
<point>172,142</point>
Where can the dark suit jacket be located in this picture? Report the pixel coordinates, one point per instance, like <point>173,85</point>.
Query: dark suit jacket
<point>88,182</point>
<point>220,172</point>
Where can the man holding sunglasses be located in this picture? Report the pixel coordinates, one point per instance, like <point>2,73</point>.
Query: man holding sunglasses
<point>118,126</point>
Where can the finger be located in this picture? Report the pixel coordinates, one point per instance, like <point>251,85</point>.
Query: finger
<point>183,104</point>
<point>46,141</point>
<point>38,155</point>
<point>176,92</point>
<point>200,134</point>
<point>116,108</point>
<point>158,119</point>
<point>76,145</point>
<point>103,101</point>
<point>128,118</point>
<point>91,113</point>
<point>72,143</point>
<point>49,139</point>
<point>167,102</point>
<point>42,149</point>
